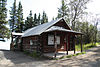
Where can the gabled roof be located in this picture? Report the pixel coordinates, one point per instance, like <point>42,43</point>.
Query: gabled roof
<point>40,28</point>
<point>43,28</point>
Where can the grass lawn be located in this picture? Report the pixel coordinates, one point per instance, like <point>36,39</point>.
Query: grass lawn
<point>69,56</point>
<point>78,48</point>
<point>86,46</point>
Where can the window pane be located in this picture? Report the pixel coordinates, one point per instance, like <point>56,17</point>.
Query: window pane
<point>58,39</point>
<point>31,43</point>
<point>50,40</point>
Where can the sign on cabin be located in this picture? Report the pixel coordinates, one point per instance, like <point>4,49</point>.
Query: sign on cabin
<point>51,40</point>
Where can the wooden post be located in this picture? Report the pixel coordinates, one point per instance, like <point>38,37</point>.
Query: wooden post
<point>41,41</point>
<point>74,44</point>
<point>55,44</point>
<point>21,46</point>
<point>81,44</point>
<point>67,40</point>
<point>11,45</point>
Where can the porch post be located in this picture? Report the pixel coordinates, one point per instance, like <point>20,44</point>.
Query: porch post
<point>81,44</point>
<point>11,44</point>
<point>21,47</point>
<point>55,44</point>
<point>67,38</point>
<point>74,44</point>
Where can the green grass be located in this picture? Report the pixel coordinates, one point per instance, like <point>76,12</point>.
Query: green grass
<point>86,46</point>
<point>69,56</point>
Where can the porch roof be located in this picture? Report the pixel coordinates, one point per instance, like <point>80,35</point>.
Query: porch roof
<point>17,34</point>
<point>57,28</point>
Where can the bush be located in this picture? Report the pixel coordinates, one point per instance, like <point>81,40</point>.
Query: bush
<point>26,52</point>
<point>86,46</point>
<point>35,54</point>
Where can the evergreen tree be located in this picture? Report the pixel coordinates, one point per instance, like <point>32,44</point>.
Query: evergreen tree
<point>63,10</point>
<point>39,19</point>
<point>3,22</point>
<point>19,25</point>
<point>13,17</point>
<point>35,19</point>
<point>53,18</point>
<point>29,22</point>
<point>44,18</point>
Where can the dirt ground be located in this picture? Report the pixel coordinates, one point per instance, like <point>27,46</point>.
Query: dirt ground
<point>18,59</point>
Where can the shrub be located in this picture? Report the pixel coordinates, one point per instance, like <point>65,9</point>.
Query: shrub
<point>26,52</point>
<point>35,54</point>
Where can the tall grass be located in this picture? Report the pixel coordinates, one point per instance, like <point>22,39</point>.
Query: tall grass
<point>86,46</point>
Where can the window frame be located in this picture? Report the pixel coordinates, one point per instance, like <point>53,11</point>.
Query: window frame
<point>57,40</point>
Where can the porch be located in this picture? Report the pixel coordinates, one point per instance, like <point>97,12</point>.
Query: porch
<point>61,40</point>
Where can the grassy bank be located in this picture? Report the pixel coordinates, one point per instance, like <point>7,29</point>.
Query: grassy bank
<point>69,56</point>
<point>86,46</point>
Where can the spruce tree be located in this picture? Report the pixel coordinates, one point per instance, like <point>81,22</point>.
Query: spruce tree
<point>19,25</point>
<point>13,17</point>
<point>29,22</point>
<point>63,10</point>
<point>35,19</point>
<point>44,18</point>
<point>39,19</point>
<point>3,16</point>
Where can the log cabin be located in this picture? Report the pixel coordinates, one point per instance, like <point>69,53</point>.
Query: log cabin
<point>50,37</point>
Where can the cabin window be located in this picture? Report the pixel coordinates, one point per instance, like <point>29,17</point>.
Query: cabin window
<point>31,43</point>
<point>19,41</point>
<point>58,40</point>
<point>51,40</point>
<point>35,42</point>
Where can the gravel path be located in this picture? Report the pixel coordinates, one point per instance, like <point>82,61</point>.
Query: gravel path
<point>18,59</point>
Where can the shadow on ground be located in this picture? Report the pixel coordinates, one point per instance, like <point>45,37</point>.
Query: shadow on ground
<point>18,57</point>
<point>90,59</point>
